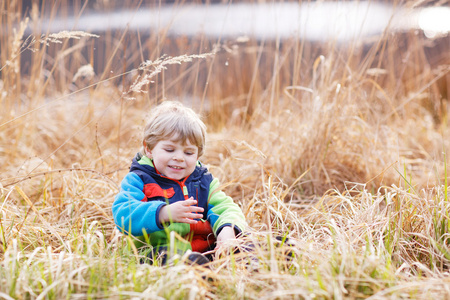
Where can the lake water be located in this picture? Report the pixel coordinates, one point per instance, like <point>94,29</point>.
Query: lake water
<point>314,21</point>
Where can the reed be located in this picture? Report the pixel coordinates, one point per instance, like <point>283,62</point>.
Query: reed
<point>336,155</point>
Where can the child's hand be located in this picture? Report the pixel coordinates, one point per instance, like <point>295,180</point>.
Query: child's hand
<point>181,211</point>
<point>222,245</point>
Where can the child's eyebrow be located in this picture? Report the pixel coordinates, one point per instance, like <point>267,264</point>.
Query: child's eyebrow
<point>167,144</point>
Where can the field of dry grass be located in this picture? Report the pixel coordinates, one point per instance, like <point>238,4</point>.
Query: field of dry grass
<point>341,149</point>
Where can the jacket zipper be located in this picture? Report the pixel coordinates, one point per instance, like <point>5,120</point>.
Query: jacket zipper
<point>180,183</point>
<point>182,186</point>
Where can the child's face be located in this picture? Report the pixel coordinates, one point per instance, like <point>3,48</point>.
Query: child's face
<point>173,158</point>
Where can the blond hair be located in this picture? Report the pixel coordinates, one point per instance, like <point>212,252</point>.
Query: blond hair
<point>172,120</point>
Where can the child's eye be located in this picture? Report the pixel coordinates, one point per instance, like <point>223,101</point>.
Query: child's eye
<point>169,150</point>
<point>189,153</point>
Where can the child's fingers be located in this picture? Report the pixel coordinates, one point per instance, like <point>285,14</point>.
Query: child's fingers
<point>189,221</point>
<point>189,202</point>
<point>196,209</point>
<point>194,216</point>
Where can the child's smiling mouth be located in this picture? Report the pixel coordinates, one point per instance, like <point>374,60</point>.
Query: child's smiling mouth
<point>176,167</point>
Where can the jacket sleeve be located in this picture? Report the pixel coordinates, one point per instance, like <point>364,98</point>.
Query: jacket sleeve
<point>131,215</point>
<point>222,211</point>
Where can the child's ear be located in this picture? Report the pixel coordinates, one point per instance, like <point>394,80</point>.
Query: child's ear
<point>147,151</point>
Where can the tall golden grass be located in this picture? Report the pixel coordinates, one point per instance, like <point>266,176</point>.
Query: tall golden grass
<point>339,148</point>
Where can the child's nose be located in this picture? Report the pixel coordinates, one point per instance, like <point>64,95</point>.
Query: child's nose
<point>178,156</point>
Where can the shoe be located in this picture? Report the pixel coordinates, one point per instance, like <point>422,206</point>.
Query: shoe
<point>196,258</point>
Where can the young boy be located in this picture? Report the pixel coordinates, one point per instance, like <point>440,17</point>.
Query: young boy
<point>169,199</point>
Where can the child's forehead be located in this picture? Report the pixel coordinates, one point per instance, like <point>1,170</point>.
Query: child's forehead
<point>177,139</point>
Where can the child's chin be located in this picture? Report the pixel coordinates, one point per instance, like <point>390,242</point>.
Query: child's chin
<point>175,176</point>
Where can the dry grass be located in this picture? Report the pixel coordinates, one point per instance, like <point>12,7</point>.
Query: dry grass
<point>340,149</point>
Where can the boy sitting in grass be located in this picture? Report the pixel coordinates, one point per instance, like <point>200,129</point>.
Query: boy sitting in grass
<point>169,200</point>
